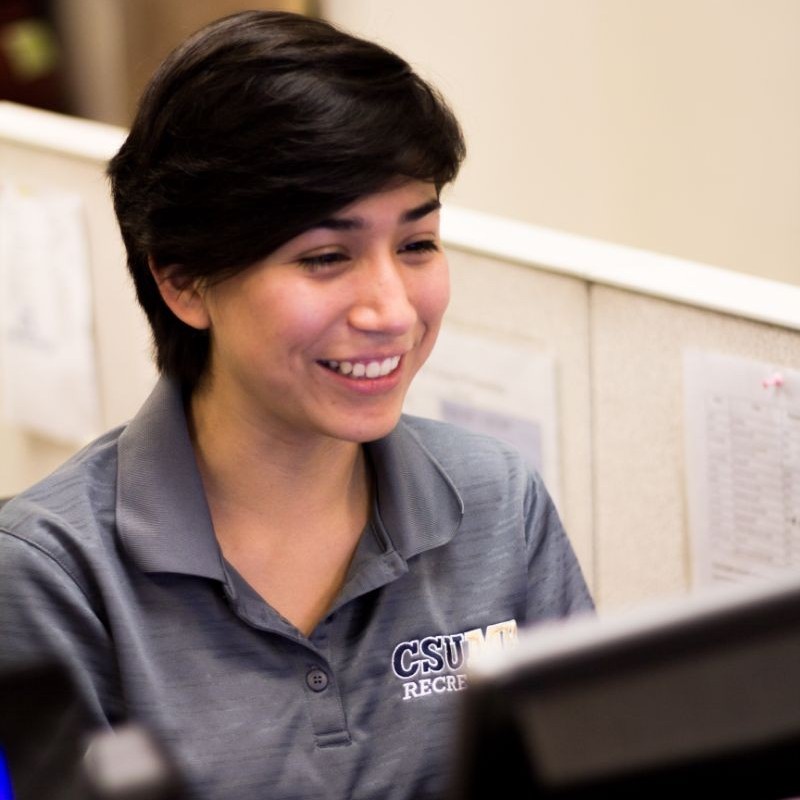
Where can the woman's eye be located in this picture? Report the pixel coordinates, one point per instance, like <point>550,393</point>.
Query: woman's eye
<point>421,246</point>
<point>318,262</point>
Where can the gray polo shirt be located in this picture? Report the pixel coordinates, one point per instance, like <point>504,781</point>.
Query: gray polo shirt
<point>111,563</point>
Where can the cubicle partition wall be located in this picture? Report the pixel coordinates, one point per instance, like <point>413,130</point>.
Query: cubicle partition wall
<point>45,156</point>
<point>643,477</point>
<point>575,350</point>
<point>637,465</point>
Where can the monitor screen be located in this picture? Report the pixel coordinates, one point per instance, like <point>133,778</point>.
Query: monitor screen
<point>50,751</point>
<point>39,727</point>
<point>682,698</point>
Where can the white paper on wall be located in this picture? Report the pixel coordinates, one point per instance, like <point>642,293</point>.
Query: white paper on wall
<point>49,379</point>
<point>743,467</point>
<point>500,385</point>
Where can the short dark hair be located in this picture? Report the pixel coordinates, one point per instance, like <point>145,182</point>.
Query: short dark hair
<point>257,127</point>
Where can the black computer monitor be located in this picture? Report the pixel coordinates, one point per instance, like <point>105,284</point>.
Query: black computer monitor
<point>689,698</point>
<point>50,751</point>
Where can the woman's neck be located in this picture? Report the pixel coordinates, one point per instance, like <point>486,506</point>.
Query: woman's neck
<point>287,512</point>
<point>256,467</point>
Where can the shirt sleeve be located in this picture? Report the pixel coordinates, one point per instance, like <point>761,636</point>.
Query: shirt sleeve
<point>556,585</point>
<point>46,616</point>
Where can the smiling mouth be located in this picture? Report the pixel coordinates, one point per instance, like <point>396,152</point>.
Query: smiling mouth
<point>368,370</point>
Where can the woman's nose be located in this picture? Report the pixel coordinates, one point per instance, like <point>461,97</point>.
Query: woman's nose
<point>383,303</point>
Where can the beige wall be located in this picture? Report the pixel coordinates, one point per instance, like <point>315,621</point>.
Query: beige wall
<point>672,126</point>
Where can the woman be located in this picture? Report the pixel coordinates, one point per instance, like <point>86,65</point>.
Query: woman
<point>268,566</point>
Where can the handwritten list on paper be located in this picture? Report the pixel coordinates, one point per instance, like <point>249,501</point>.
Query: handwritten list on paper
<point>49,380</point>
<point>743,467</point>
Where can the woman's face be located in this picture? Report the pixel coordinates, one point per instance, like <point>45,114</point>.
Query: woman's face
<point>323,337</point>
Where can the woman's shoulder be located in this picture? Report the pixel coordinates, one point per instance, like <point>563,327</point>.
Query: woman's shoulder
<point>70,506</point>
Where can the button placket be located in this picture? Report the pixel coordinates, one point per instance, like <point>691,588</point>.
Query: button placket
<point>326,710</point>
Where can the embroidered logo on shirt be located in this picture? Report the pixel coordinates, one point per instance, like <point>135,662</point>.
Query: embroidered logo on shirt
<point>438,664</point>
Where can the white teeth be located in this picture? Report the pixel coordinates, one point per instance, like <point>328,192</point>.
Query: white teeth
<point>370,369</point>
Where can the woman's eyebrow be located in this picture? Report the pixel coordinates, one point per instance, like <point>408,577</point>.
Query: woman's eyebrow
<point>421,211</point>
<point>357,223</point>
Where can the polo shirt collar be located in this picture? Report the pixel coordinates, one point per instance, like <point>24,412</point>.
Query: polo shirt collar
<point>162,515</point>
<point>164,521</point>
<point>418,503</point>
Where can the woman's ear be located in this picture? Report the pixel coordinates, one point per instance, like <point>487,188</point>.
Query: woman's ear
<point>181,294</point>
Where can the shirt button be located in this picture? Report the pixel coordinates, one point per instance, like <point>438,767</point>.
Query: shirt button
<point>317,679</point>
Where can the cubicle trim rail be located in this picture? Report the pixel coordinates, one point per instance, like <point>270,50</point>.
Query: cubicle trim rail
<point>46,130</point>
<point>623,267</point>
